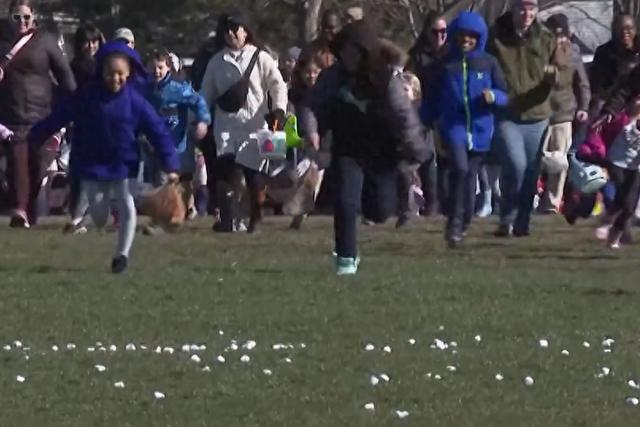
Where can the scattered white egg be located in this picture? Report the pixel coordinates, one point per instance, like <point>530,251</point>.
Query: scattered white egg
<point>586,344</point>
<point>633,401</point>
<point>157,350</point>
<point>499,376</point>
<point>143,347</point>
<point>386,349</point>
<point>606,370</point>
<point>221,332</point>
<point>89,349</point>
<point>233,346</point>
<point>607,350</point>
<point>245,358</point>
<point>158,395</point>
<point>543,343</point>
<point>202,347</point>
<point>453,344</point>
<point>206,369</point>
<point>633,384</point>
<point>287,360</point>
<point>428,375</point>
<point>303,345</point>
<point>249,345</point>
<point>20,378</point>
<point>168,350</point>
<point>370,406</point>
<point>608,342</point>
<point>113,348</point>
<point>279,346</point>
<point>402,414</point>
<point>454,351</point>
<point>220,359</point>
<point>528,381</point>
<point>412,341</point>
<point>195,358</point>
<point>26,357</point>
<point>54,347</point>
<point>186,348</point>
<point>194,347</point>
<point>477,338</point>
<point>71,346</point>
<point>437,377</point>
<point>130,347</point>
<point>441,345</point>
<point>267,372</point>
<point>98,343</point>
<point>369,347</point>
<point>441,328</point>
<point>385,378</point>
<point>565,352</point>
<point>100,368</point>
<point>7,347</point>
<point>451,368</point>
<point>103,349</point>
<point>119,384</point>
<point>17,344</point>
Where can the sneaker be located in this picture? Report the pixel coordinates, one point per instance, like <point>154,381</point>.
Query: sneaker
<point>368,222</point>
<point>19,221</point>
<point>347,266</point>
<point>402,220</point>
<point>152,230</point>
<point>504,230</point>
<point>602,232</point>
<point>119,264</point>
<point>239,226</point>
<point>192,213</point>
<point>521,232</point>
<point>296,222</point>
<point>218,227</point>
<point>485,211</point>
<point>455,241</point>
<point>613,241</point>
<point>75,229</point>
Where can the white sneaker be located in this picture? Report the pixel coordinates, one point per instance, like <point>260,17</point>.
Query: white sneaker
<point>602,232</point>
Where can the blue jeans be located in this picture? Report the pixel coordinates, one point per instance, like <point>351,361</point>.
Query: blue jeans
<point>349,179</point>
<point>519,150</point>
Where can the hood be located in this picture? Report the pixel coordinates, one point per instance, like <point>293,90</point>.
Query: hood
<point>137,68</point>
<point>358,33</point>
<point>468,22</point>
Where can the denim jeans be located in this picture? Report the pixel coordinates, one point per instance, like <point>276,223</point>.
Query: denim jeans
<point>348,174</point>
<point>519,148</point>
<point>463,173</point>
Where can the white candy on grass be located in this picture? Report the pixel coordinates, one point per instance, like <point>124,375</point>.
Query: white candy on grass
<point>206,369</point>
<point>633,401</point>
<point>370,406</point>
<point>158,395</point>
<point>586,344</point>
<point>71,346</point>
<point>386,349</point>
<point>168,350</point>
<point>451,368</point>
<point>54,347</point>
<point>20,378</point>
<point>543,343</point>
<point>119,384</point>
<point>633,384</point>
<point>130,347</point>
<point>528,381</point>
<point>100,368</point>
<point>402,414</point>
<point>499,377</point>
<point>412,341</point>
<point>267,372</point>
<point>113,348</point>
<point>565,352</point>
<point>385,377</point>
<point>369,347</point>
<point>195,358</point>
<point>220,359</point>
<point>245,358</point>
<point>249,345</point>
<point>477,338</point>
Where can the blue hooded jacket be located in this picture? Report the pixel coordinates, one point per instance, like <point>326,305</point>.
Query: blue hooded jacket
<point>173,100</point>
<point>104,146</point>
<point>454,99</point>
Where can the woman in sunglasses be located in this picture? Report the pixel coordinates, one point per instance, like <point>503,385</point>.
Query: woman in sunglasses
<point>428,49</point>
<point>26,90</point>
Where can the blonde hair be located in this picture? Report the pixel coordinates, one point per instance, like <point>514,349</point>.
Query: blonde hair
<point>414,84</point>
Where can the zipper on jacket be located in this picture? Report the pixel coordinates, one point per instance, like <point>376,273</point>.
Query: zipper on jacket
<point>465,95</point>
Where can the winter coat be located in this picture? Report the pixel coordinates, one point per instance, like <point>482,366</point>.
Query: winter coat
<point>84,70</point>
<point>173,100</point>
<point>596,144</point>
<point>623,92</point>
<point>26,93</point>
<point>319,50</point>
<point>455,99</point>
<point>421,59</point>
<point>612,63</point>
<point>523,61</point>
<point>572,92</point>
<point>232,130</point>
<point>105,147</point>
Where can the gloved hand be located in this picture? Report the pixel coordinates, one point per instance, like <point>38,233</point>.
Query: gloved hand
<point>276,119</point>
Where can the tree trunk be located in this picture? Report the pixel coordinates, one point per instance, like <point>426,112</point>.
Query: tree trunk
<point>308,17</point>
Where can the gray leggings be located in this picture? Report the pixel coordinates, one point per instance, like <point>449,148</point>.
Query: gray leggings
<point>99,194</point>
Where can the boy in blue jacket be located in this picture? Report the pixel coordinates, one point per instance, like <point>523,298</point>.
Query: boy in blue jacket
<point>468,85</point>
<point>107,115</point>
<point>173,100</point>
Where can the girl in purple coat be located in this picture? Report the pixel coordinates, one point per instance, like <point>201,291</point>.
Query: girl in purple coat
<point>107,115</point>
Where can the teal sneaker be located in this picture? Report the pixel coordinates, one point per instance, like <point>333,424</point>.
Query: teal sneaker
<point>347,266</point>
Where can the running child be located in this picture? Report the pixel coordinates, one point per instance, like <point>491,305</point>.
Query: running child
<point>107,116</point>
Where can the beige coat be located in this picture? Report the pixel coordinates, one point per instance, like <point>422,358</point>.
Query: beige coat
<point>232,130</point>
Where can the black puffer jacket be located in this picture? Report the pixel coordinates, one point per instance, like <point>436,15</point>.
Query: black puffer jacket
<point>611,64</point>
<point>26,93</point>
<point>380,126</point>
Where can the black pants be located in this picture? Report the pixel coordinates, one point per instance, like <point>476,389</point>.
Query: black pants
<point>348,174</point>
<point>379,198</point>
<point>627,184</point>
<point>463,173</point>
<point>228,175</point>
<point>428,173</point>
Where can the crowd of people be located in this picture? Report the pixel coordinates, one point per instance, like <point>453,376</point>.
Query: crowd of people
<point>475,119</point>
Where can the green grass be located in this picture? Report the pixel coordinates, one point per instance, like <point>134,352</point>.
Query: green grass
<point>280,287</point>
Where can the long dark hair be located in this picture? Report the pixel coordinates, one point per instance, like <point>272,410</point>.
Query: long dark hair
<point>374,73</point>
<point>223,27</point>
<point>86,33</point>
<point>28,3</point>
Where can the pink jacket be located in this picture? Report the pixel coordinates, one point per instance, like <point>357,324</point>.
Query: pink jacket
<point>594,148</point>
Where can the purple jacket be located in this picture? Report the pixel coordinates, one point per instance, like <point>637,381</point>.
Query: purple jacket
<point>106,125</point>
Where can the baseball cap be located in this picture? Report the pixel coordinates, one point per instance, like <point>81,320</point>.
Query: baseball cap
<point>124,34</point>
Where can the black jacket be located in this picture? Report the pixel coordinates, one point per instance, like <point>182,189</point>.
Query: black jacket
<point>26,93</point>
<point>611,64</point>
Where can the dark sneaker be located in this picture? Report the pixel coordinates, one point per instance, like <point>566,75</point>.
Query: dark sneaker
<point>119,264</point>
<point>455,241</point>
<point>19,221</point>
<point>504,230</point>
<point>521,232</point>
<point>402,220</point>
<point>296,222</point>
<point>219,227</point>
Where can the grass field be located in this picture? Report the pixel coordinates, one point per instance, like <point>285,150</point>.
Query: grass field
<point>279,288</point>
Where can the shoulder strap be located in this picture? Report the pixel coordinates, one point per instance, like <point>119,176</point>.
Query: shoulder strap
<point>18,46</point>
<point>252,64</point>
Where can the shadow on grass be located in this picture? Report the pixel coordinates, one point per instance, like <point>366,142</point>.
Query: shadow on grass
<point>608,292</point>
<point>47,269</point>
<point>563,257</point>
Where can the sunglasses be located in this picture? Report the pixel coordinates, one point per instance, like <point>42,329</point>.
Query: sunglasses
<point>439,31</point>
<point>24,18</point>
